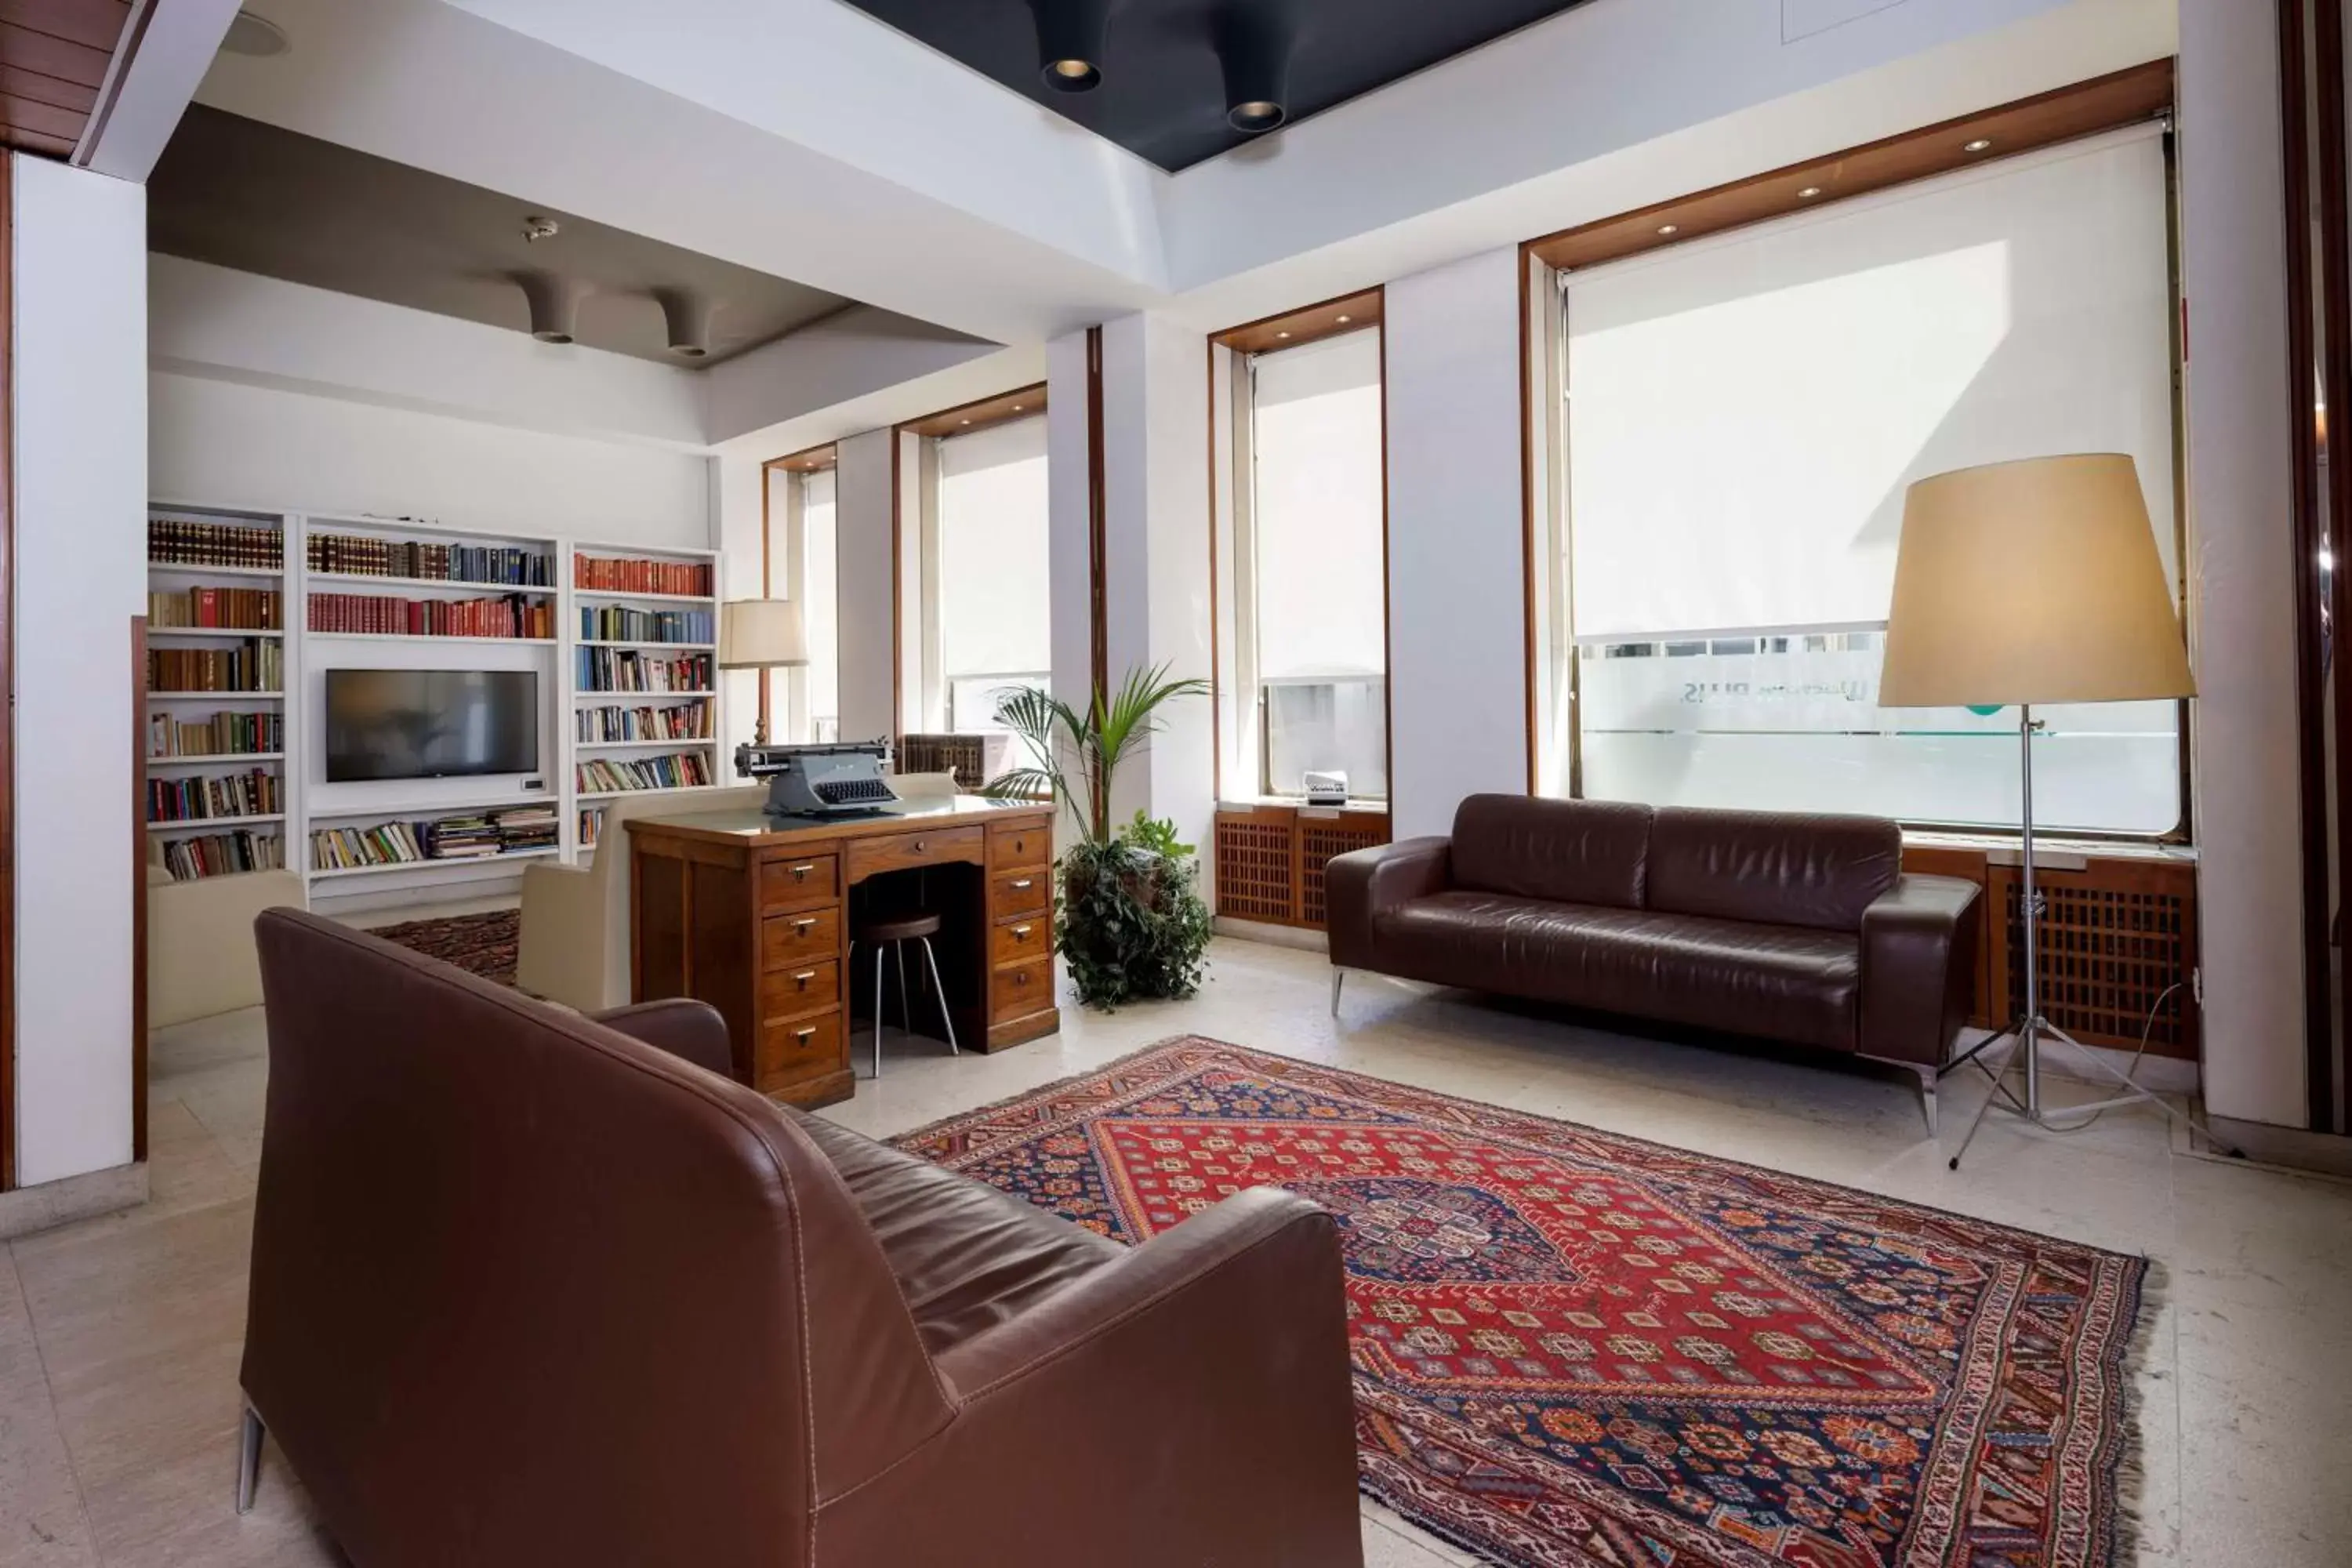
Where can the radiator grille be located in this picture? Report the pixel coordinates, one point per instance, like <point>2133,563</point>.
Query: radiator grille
<point>1254,866</point>
<point>1322,837</point>
<point>2114,937</point>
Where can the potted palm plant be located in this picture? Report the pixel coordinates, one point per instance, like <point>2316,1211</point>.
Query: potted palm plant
<point>1132,924</point>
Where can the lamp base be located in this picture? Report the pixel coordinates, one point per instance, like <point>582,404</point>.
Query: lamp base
<point>2026,1053</point>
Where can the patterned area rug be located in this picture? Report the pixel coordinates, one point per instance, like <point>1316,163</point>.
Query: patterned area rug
<point>478,944</point>
<point>1576,1348</point>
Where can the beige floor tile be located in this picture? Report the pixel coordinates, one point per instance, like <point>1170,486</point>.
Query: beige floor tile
<point>2245,1432</point>
<point>41,1518</point>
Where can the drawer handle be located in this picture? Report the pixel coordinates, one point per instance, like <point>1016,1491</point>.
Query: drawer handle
<point>804,926</point>
<point>1022,885</point>
<point>800,873</point>
<point>921,845</point>
<point>807,1034</point>
<point>803,977</point>
<point>1021,934</point>
<point>1019,977</point>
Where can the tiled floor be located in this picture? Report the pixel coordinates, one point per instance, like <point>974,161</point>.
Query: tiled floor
<point>118,1337</point>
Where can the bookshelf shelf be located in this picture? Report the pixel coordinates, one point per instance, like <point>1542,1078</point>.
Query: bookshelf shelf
<point>214,759</point>
<point>407,810</point>
<point>631,698</point>
<point>217,697</point>
<point>605,794</point>
<point>672,745</point>
<point>677,647</point>
<point>156,631</point>
<point>212,823</point>
<point>182,569</point>
<point>610,596</point>
<point>479,590</point>
<point>430,865</point>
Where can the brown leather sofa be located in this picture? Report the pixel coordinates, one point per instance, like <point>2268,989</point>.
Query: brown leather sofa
<point>532,1288</point>
<point>1794,928</point>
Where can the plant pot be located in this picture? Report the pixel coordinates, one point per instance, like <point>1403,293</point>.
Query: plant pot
<point>1133,926</point>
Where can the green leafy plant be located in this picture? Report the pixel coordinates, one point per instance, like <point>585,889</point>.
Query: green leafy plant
<point>1132,923</point>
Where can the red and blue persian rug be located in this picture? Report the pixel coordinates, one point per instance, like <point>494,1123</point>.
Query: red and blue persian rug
<point>1576,1348</point>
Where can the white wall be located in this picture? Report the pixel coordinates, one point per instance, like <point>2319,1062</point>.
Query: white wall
<point>863,524</point>
<point>1457,610</point>
<point>2241,564</point>
<point>225,443</point>
<point>81,307</point>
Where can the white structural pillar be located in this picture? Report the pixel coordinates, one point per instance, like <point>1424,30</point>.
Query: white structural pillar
<point>2241,559</point>
<point>865,521</point>
<point>1156,551</point>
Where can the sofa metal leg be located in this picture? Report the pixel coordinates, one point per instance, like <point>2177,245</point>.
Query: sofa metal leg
<point>1927,1077</point>
<point>248,1458</point>
<point>1339,978</point>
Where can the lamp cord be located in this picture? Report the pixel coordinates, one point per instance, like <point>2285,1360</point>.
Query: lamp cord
<point>2147,1029</point>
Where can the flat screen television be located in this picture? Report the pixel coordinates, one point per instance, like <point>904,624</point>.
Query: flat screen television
<point>430,723</point>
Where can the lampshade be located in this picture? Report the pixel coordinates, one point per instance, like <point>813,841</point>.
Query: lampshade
<point>760,634</point>
<point>2031,582</point>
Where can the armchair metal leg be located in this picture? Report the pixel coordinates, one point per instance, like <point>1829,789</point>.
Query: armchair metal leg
<point>1927,1080</point>
<point>877,1010</point>
<point>1339,978</point>
<point>248,1458</point>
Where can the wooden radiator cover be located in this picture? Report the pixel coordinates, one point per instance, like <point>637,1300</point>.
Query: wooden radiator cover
<point>1270,859</point>
<point>2116,934</point>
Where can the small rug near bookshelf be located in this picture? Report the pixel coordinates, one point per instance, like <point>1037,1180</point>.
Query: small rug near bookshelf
<point>1576,1348</point>
<point>478,944</point>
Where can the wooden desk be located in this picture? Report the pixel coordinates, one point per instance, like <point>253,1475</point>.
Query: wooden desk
<point>753,915</point>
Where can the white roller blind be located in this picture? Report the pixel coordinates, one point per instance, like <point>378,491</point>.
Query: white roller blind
<point>994,614</point>
<point>821,591</point>
<point>1317,506</point>
<point>1744,414</point>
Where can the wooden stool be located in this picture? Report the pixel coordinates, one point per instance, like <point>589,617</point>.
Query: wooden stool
<point>893,931</point>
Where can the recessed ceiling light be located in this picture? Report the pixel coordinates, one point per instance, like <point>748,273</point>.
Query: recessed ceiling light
<point>1017,409</point>
<point>967,421</point>
<point>1345,320</point>
<point>1670,228</point>
<point>253,36</point>
<point>1282,334</point>
<point>1808,193</point>
<point>1981,145</point>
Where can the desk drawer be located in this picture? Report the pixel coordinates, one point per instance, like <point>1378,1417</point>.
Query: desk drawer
<point>1016,895</point>
<point>1018,990</point>
<point>1017,941</point>
<point>1016,847</point>
<point>799,940</point>
<point>802,1048</point>
<point>799,882</point>
<point>788,993</point>
<point>904,851</point>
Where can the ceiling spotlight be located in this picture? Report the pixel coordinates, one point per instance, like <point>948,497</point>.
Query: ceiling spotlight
<point>687,315</point>
<point>1808,193</point>
<point>1282,334</point>
<point>1252,43</point>
<point>1345,320</point>
<point>1980,145</point>
<point>1670,228</point>
<point>1070,42</point>
<point>965,422</point>
<point>535,229</point>
<point>1017,409</point>
<point>554,306</point>
<point>256,36</point>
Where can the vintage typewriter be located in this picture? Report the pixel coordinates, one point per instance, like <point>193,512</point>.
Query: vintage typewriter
<point>845,779</point>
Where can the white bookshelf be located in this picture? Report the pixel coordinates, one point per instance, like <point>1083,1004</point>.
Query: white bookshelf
<point>178,577</point>
<point>313,803</point>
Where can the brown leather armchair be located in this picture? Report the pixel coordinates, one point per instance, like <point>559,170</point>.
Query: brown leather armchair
<point>1790,927</point>
<point>532,1288</point>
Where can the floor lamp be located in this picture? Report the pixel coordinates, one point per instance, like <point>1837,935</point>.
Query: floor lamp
<point>761,634</point>
<point>2025,583</point>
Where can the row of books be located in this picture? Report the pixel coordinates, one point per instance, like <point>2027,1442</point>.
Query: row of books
<point>174,542</point>
<point>625,670</point>
<point>616,623</point>
<point>361,555</point>
<point>222,734</point>
<point>592,825</point>
<point>508,615</point>
<point>244,609</point>
<point>680,722</point>
<point>250,666</point>
<point>682,769</point>
<point>613,575</point>
<point>255,793</point>
<point>223,854</point>
<point>474,835</point>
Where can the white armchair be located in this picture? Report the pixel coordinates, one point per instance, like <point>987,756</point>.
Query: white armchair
<point>574,945</point>
<point>200,954</point>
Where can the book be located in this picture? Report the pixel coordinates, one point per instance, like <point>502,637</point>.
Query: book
<point>623,574</point>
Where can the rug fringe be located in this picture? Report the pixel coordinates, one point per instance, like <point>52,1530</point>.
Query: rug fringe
<point>2130,1473</point>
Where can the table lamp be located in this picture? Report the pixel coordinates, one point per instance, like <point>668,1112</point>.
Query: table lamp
<point>2022,583</point>
<point>761,634</point>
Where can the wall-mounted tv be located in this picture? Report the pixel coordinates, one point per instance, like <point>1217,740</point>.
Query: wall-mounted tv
<point>430,723</point>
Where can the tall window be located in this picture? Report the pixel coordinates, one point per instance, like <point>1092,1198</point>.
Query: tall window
<point>1311,615</point>
<point>991,625</point>
<point>1740,418</point>
<point>804,703</point>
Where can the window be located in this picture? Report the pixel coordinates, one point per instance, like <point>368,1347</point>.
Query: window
<point>804,703</point>
<point>976,578</point>
<point>1310,616</point>
<point>1739,419</point>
